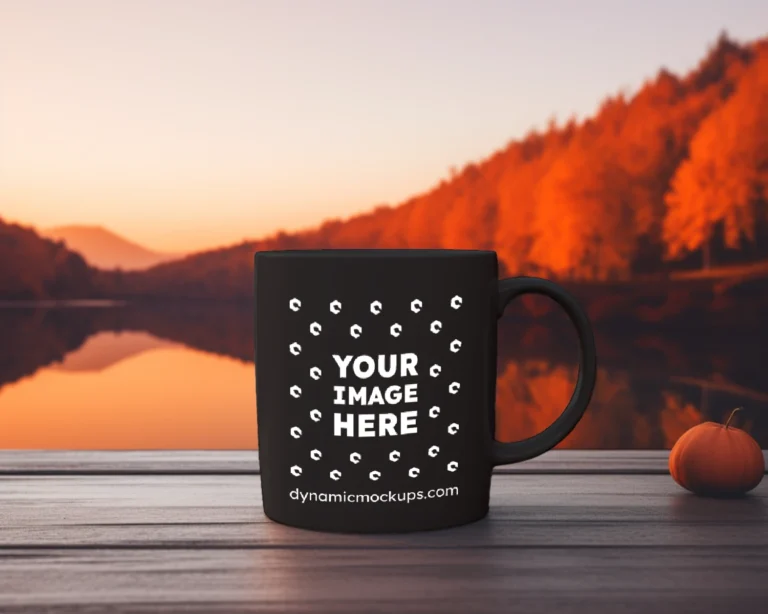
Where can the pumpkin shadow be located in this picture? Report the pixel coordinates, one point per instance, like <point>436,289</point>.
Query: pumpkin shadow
<point>691,508</point>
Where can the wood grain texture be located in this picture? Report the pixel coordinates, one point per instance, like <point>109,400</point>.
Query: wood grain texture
<point>359,581</point>
<point>25,462</point>
<point>202,462</point>
<point>552,543</point>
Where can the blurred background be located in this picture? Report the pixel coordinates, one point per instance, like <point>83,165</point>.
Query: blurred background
<point>148,149</point>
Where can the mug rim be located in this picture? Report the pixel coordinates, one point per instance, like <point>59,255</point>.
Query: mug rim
<point>375,252</point>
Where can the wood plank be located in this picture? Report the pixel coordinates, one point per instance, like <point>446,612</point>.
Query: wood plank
<point>166,543</point>
<point>246,462</point>
<point>129,462</point>
<point>224,512</point>
<point>573,580</point>
<point>36,462</point>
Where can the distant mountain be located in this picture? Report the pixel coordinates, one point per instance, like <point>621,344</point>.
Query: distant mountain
<point>105,249</point>
<point>650,183</point>
<point>32,267</point>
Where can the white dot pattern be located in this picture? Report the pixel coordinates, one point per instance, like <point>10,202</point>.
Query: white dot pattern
<point>356,331</point>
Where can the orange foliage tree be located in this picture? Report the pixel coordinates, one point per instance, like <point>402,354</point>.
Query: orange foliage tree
<point>32,267</point>
<point>583,223</point>
<point>586,200</point>
<point>524,164</point>
<point>725,179</point>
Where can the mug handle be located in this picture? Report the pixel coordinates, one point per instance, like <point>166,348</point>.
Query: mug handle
<point>509,289</point>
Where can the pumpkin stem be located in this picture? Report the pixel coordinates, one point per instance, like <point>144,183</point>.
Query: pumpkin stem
<point>731,416</point>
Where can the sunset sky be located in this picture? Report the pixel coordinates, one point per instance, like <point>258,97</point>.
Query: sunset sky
<point>191,124</point>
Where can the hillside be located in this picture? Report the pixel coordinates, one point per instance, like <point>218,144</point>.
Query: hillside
<point>32,267</point>
<point>671,178</point>
<point>105,249</point>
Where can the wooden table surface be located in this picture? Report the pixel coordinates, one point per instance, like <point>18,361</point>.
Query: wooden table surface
<point>184,532</point>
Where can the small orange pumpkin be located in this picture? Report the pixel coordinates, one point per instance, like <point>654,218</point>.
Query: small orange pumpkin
<point>717,460</point>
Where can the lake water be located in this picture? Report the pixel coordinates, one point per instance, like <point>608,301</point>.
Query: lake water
<point>103,376</point>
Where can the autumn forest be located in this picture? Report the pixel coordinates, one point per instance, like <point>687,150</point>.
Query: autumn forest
<point>674,177</point>
<point>652,211</point>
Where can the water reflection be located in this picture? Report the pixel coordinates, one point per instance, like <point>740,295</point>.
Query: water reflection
<point>181,376</point>
<point>131,390</point>
<point>105,349</point>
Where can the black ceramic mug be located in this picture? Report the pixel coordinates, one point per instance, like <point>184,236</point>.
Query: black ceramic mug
<point>375,383</point>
